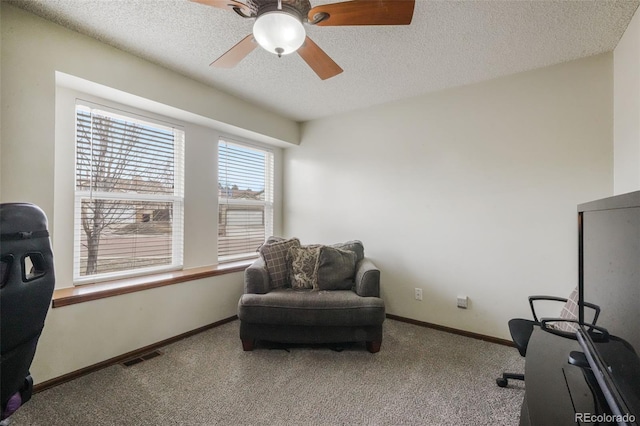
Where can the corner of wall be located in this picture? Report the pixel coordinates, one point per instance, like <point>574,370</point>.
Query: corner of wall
<point>626,93</point>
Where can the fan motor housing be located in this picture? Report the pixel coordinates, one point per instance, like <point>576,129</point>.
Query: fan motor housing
<point>299,7</point>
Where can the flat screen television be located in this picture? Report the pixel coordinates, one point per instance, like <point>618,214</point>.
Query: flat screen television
<point>609,276</point>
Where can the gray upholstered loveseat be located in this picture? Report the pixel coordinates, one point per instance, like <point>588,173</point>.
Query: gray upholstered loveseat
<point>329,303</point>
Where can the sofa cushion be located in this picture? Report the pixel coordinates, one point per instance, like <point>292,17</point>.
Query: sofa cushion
<point>276,258</point>
<point>286,306</point>
<point>336,269</point>
<point>354,246</point>
<point>304,266</point>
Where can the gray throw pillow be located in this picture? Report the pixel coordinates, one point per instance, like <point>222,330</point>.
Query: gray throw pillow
<point>336,269</point>
<point>354,246</point>
<point>276,258</point>
<point>304,266</point>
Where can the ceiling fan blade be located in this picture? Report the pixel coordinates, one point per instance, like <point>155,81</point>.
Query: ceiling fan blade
<point>365,12</point>
<point>233,56</point>
<point>225,4</point>
<point>318,60</point>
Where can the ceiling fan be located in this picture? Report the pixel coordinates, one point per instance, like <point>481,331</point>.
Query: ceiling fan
<point>279,28</point>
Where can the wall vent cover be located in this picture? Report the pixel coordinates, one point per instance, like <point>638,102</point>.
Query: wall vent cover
<point>145,357</point>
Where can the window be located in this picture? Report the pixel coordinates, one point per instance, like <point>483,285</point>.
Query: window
<point>129,195</point>
<point>245,199</point>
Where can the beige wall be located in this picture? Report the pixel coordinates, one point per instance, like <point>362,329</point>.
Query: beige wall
<point>38,59</point>
<point>469,191</point>
<point>626,59</point>
<point>80,335</point>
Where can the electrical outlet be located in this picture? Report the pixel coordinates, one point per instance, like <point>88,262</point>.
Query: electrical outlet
<point>418,292</point>
<point>463,302</point>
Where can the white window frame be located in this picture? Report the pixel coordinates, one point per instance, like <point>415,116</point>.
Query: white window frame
<point>268,202</point>
<point>177,198</point>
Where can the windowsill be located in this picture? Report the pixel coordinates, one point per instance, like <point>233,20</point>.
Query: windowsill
<point>88,292</point>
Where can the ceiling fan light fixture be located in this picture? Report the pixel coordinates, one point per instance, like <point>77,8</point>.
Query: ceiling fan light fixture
<point>279,32</point>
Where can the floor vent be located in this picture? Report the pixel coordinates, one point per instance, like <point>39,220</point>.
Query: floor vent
<point>134,361</point>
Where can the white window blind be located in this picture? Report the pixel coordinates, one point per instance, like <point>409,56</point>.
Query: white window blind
<point>129,195</point>
<point>245,199</point>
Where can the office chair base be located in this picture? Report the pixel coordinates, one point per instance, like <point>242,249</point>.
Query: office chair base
<point>503,381</point>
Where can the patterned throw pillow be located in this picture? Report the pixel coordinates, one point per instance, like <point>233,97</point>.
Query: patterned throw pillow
<point>276,258</point>
<point>570,311</point>
<point>304,266</point>
<point>270,240</point>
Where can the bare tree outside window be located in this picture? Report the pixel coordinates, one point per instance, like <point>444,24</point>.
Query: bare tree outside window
<point>126,195</point>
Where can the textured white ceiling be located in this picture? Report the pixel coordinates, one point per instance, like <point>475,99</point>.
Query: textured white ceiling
<point>449,43</point>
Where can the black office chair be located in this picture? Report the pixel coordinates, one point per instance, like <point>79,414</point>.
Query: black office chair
<point>26,286</point>
<point>521,329</point>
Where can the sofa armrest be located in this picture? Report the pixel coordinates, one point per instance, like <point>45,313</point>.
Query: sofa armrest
<point>256,278</point>
<point>367,279</point>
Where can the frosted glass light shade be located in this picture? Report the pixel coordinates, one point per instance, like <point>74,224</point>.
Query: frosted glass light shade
<point>279,32</point>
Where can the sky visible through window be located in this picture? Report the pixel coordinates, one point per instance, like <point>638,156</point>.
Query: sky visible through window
<point>241,167</point>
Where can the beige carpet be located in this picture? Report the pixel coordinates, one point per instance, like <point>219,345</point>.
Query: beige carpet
<point>420,377</point>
